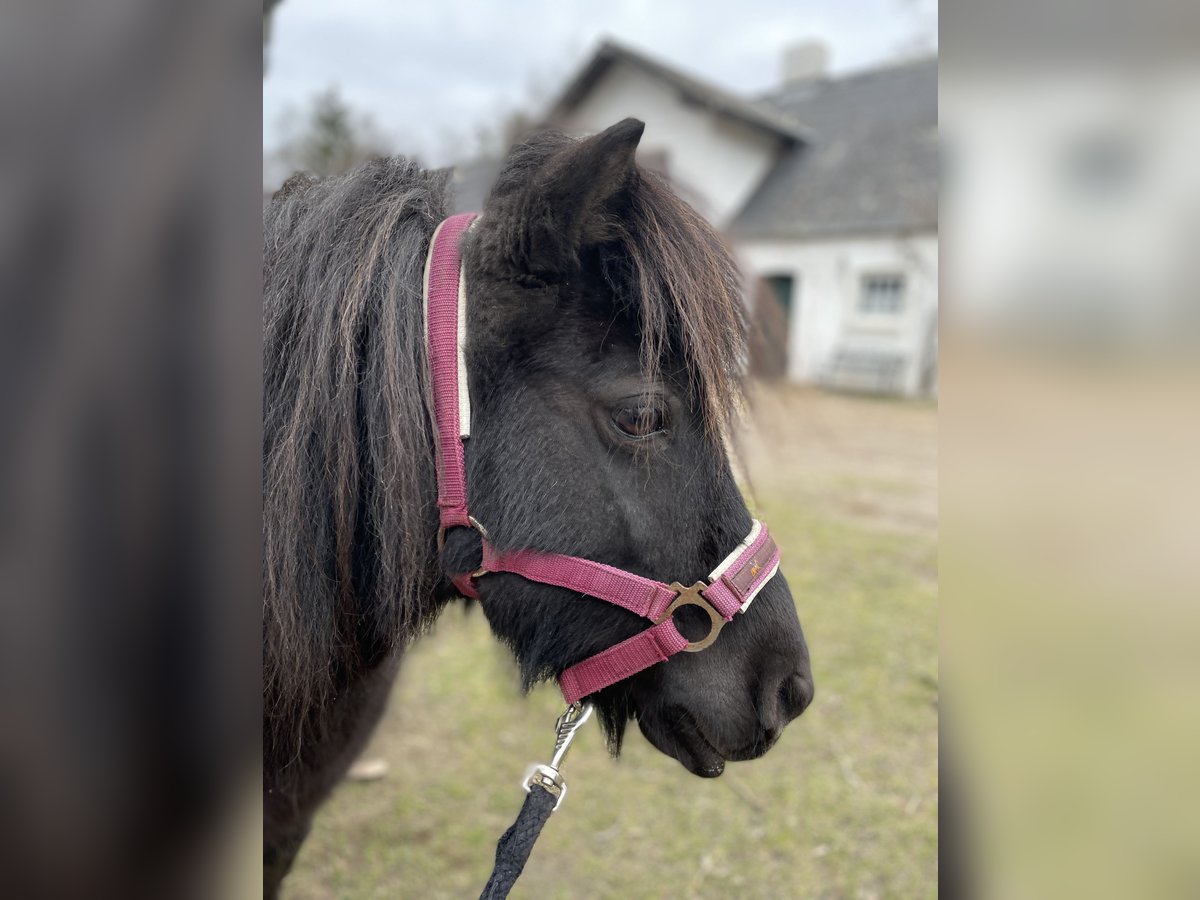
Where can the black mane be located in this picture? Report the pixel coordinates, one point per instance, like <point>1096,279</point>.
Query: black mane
<point>348,472</point>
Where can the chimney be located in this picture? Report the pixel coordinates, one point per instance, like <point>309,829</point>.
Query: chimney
<point>804,61</point>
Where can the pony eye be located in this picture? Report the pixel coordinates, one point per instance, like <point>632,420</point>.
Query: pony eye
<point>640,421</point>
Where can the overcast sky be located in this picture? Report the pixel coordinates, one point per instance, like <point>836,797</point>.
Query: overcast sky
<point>432,73</point>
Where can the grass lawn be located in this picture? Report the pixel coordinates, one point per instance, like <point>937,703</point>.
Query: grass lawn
<point>845,805</point>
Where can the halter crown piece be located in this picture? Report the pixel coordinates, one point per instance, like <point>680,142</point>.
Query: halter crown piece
<point>731,586</point>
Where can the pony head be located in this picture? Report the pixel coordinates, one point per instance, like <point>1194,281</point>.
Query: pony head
<point>605,348</point>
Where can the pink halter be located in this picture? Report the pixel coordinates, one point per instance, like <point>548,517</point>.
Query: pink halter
<point>731,586</point>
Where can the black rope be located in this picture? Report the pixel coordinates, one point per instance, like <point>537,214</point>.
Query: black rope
<point>512,852</point>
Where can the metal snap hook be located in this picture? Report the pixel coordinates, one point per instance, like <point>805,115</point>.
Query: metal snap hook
<point>548,776</point>
<point>692,596</point>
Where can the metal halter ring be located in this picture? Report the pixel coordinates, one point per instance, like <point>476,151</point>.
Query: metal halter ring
<point>474,523</point>
<point>692,596</point>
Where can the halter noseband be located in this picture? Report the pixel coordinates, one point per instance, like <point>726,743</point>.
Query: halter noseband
<point>731,586</point>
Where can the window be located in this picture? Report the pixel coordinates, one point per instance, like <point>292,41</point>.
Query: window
<point>881,295</point>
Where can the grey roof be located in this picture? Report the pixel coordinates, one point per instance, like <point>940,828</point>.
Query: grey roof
<point>871,165</point>
<point>755,113</point>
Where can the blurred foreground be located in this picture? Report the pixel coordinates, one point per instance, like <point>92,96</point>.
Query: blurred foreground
<point>1070,622</point>
<point>1070,438</point>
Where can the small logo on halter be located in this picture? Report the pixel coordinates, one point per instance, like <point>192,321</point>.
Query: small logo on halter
<point>754,569</point>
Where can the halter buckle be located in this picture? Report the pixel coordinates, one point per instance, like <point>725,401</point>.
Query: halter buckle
<point>694,596</point>
<point>472,523</point>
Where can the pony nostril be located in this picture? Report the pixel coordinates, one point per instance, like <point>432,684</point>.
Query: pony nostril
<point>795,693</point>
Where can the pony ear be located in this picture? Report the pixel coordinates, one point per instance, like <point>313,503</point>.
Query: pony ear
<point>573,198</point>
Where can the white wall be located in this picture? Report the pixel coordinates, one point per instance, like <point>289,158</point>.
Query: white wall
<point>826,283</point>
<point>715,161</point>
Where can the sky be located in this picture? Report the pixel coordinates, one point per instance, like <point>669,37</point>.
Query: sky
<point>431,75</point>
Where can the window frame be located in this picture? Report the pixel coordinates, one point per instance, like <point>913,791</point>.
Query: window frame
<point>876,312</point>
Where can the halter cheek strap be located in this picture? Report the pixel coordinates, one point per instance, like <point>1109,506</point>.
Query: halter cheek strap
<point>731,586</point>
<point>445,328</point>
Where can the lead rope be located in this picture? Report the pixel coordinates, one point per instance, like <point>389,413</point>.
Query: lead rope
<point>546,789</point>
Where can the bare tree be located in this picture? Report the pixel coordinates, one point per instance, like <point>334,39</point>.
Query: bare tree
<point>330,138</point>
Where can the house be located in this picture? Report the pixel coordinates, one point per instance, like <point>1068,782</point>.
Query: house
<point>826,188</point>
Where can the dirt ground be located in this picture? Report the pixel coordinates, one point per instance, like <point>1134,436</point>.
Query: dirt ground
<point>870,461</point>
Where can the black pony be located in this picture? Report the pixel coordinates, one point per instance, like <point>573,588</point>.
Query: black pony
<point>605,349</point>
